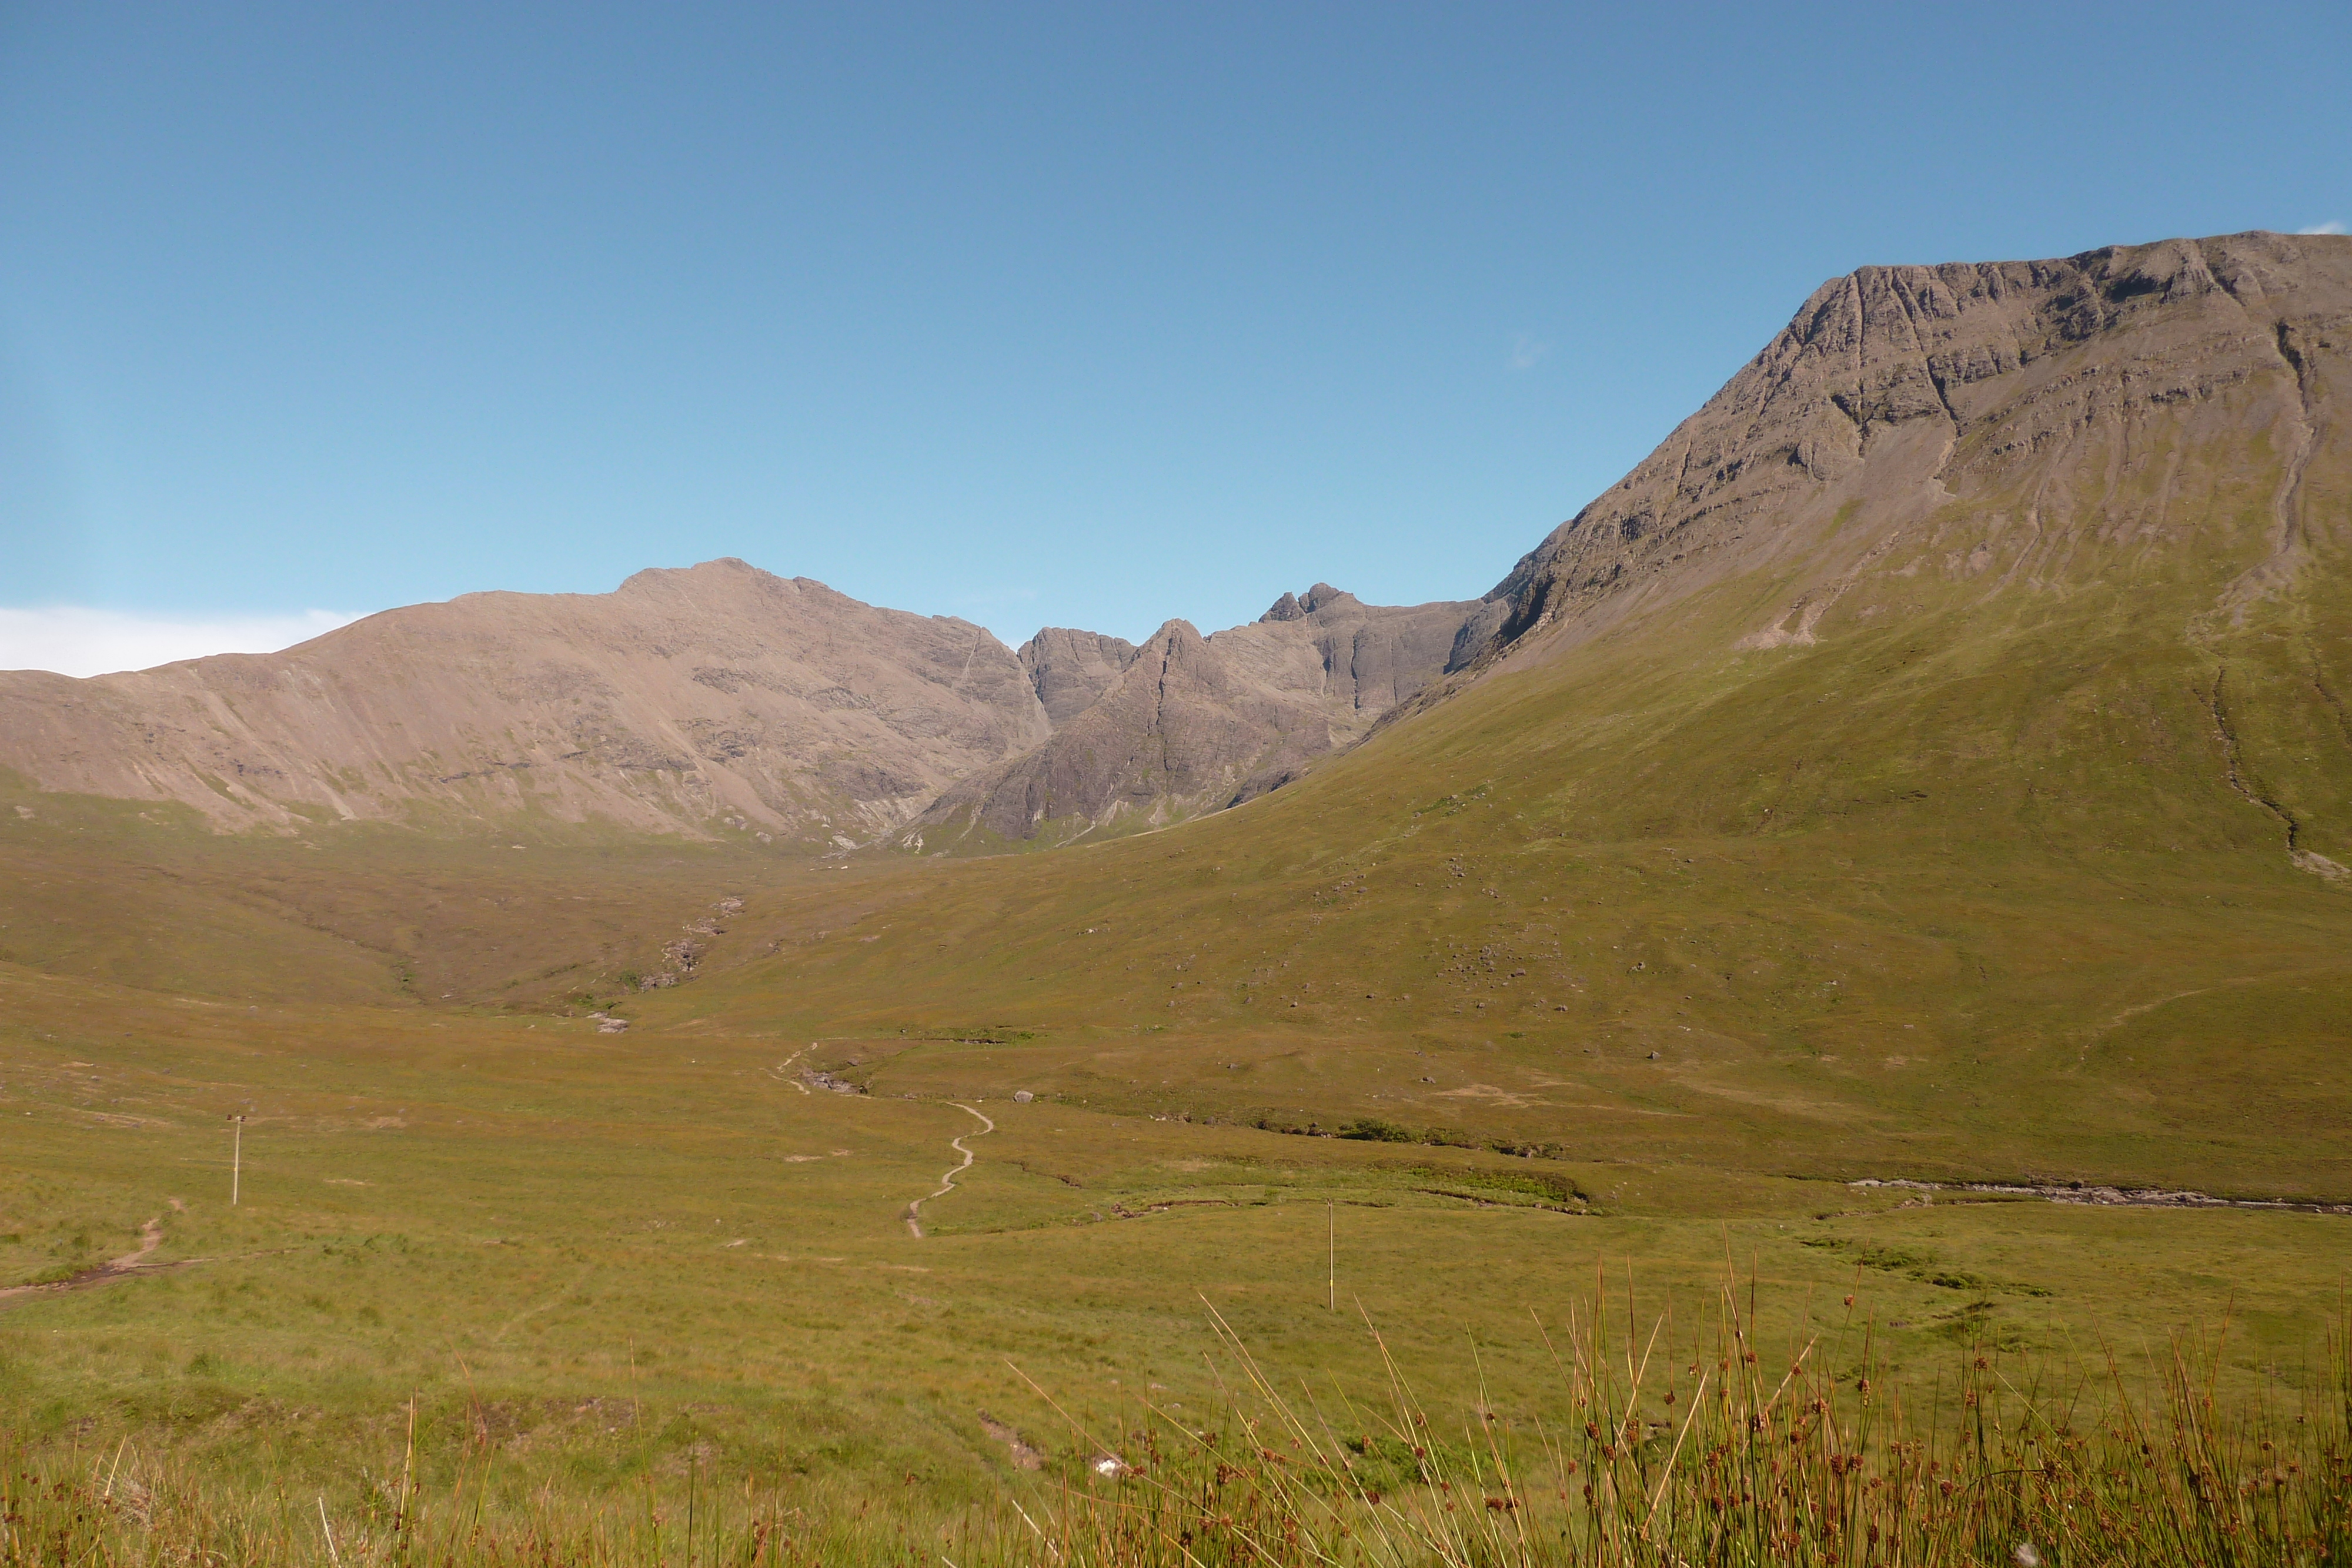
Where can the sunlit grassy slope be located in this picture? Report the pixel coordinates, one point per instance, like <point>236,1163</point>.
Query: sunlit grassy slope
<point>603,1265</point>
<point>1982,882</point>
<point>2018,869</point>
<point>1634,952</point>
<point>149,898</point>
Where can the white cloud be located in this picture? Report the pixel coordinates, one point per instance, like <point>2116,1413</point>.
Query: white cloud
<point>75,641</point>
<point>1526,351</point>
<point>2335,226</point>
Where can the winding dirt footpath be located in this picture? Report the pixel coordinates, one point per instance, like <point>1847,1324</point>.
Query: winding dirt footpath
<point>151,1236</point>
<point>948,1181</point>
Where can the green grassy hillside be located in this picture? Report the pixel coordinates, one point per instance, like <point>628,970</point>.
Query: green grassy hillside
<point>1980,831</point>
<point>1987,891</point>
<point>604,1266</point>
<point>147,897</point>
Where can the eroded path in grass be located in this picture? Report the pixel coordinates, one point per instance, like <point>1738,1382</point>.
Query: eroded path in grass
<point>2104,1196</point>
<point>948,1181</point>
<point>151,1236</point>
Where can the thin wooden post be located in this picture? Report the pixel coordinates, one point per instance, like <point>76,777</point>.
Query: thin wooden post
<point>237,1164</point>
<point>1332,1251</point>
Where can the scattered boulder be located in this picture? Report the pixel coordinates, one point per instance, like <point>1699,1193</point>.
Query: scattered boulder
<point>827,1081</point>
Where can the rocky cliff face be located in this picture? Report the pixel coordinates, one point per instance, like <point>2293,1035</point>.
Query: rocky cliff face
<point>2026,410</point>
<point>1071,669</point>
<point>718,699</point>
<point>1190,724</point>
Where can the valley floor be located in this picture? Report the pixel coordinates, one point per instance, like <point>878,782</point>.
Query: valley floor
<point>612,1259</point>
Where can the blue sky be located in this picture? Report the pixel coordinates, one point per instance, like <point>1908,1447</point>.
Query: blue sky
<point>1037,315</point>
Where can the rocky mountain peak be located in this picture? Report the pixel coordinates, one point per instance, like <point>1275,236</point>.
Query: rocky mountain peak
<point>1190,724</point>
<point>1898,392</point>
<point>1299,607</point>
<point>1071,668</point>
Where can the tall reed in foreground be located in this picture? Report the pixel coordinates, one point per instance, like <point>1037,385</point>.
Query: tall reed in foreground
<point>1711,1450</point>
<point>1655,1447</point>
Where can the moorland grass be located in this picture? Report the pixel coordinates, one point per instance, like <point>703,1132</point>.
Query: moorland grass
<point>1644,952</point>
<point>1656,1443</point>
<point>606,1271</point>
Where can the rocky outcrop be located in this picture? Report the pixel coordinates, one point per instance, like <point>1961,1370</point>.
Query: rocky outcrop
<point>716,700</point>
<point>1191,723</point>
<point>1071,669</point>
<point>1359,660</point>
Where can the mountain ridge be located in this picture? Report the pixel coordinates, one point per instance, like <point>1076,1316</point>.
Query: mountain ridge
<point>712,694</point>
<point>2003,425</point>
<point>1194,724</point>
<point>717,700</point>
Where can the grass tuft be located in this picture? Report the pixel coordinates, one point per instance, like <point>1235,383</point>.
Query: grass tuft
<point>1658,1443</point>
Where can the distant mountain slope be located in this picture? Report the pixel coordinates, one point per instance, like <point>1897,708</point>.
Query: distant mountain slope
<point>721,701</point>
<point>1191,723</point>
<point>1935,760</point>
<point>718,699</point>
<point>1966,800</point>
<point>2055,403</point>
